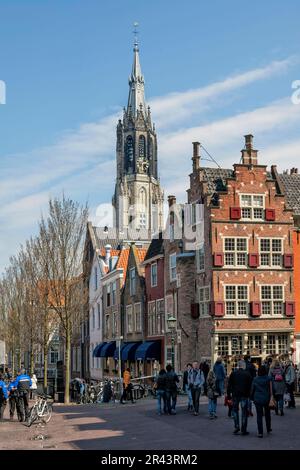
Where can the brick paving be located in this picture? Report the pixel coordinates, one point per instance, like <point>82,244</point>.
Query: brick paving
<point>127,427</point>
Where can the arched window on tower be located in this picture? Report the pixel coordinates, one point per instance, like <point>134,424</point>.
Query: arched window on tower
<point>129,153</point>
<point>142,146</point>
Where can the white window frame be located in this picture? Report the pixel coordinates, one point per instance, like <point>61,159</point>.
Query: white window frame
<point>143,220</point>
<point>114,293</point>
<point>204,301</point>
<point>132,281</point>
<point>272,300</point>
<point>95,278</point>
<point>235,252</point>
<point>151,317</point>
<point>129,316</point>
<point>200,259</point>
<point>138,317</point>
<point>252,207</point>
<point>236,301</point>
<point>99,315</point>
<point>173,277</point>
<point>160,317</point>
<point>152,283</point>
<point>271,253</point>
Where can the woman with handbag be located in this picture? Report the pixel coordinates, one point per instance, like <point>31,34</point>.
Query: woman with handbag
<point>261,394</point>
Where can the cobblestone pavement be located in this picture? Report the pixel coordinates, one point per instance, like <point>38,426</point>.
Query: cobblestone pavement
<point>137,426</point>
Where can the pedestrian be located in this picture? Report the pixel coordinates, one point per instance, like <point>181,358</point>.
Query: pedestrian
<point>239,386</point>
<point>23,384</point>
<point>3,396</point>
<point>250,367</point>
<point>205,369</point>
<point>171,390</point>
<point>196,381</point>
<point>161,391</point>
<point>127,387</point>
<point>212,394</point>
<point>185,386</point>
<point>33,388</point>
<point>220,373</point>
<point>261,393</point>
<point>13,400</point>
<point>276,374</point>
<point>290,378</point>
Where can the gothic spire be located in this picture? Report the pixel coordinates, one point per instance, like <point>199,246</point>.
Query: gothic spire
<point>136,98</point>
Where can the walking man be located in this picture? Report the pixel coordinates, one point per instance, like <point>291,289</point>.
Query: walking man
<point>171,390</point>
<point>239,387</point>
<point>186,386</point>
<point>13,400</point>
<point>23,384</point>
<point>220,374</point>
<point>195,381</point>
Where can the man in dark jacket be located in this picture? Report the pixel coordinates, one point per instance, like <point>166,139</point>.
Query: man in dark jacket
<point>239,387</point>
<point>171,381</point>
<point>23,384</point>
<point>220,374</point>
<point>185,386</point>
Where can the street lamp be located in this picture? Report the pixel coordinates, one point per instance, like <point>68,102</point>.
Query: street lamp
<point>171,321</point>
<point>119,361</point>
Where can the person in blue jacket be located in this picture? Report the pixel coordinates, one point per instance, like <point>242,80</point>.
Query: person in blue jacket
<point>13,400</point>
<point>3,397</point>
<point>23,384</point>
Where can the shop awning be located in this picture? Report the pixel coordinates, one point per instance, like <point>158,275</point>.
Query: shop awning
<point>108,349</point>
<point>97,350</point>
<point>149,350</point>
<point>116,353</point>
<point>128,353</point>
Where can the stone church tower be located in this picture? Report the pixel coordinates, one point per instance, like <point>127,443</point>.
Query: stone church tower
<point>138,198</point>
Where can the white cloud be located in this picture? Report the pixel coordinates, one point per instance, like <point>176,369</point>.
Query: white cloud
<point>82,162</point>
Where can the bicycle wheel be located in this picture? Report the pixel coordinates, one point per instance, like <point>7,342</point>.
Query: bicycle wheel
<point>33,416</point>
<point>47,413</point>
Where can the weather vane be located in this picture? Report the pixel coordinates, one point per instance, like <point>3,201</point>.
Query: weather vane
<point>135,32</point>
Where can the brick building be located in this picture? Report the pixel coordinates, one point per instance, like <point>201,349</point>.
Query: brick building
<point>245,278</point>
<point>289,184</point>
<point>155,301</point>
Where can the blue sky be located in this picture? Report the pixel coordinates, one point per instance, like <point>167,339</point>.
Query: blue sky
<point>214,71</point>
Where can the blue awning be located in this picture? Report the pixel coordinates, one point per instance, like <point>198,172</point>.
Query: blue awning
<point>116,353</point>
<point>96,352</point>
<point>128,353</point>
<point>108,349</point>
<point>148,350</point>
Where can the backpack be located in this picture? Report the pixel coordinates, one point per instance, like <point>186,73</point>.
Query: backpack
<point>278,378</point>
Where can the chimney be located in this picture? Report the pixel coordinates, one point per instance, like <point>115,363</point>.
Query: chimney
<point>249,155</point>
<point>107,254</point>
<point>196,156</point>
<point>294,171</point>
<point>171,200</point>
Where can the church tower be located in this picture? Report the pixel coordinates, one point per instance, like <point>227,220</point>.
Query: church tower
<point>138,198</point>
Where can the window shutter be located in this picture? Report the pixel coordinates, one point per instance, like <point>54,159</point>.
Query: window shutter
<point>253,260</point>
<point>270,214</point>
<point>235,213</point>
<point>195,311</point>
<point>288,261</point>
<point>219,260</point>
<point>256,309</point>
<point>218,309</point>
<point>290,309</point>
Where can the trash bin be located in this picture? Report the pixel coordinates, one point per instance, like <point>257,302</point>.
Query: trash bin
<point>59,397</point>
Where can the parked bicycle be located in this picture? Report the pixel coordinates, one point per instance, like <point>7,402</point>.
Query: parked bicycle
<point>41,410</point>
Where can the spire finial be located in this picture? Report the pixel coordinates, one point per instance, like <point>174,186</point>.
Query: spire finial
<point>136,32</point>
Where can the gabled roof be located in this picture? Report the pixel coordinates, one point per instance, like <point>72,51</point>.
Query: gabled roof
<point>156,248</point>
<point>290,184</point>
